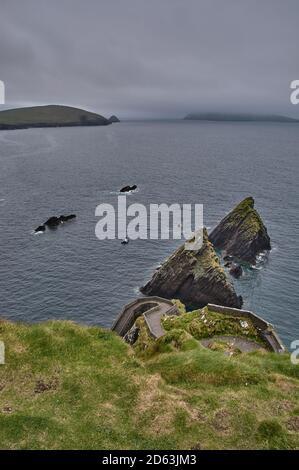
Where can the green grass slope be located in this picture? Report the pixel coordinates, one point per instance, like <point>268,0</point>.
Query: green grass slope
<point>66,386</point>
<point>48,116</point>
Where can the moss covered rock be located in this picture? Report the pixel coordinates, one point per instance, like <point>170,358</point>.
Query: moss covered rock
<point>242,233</point>
<point>195,277</point>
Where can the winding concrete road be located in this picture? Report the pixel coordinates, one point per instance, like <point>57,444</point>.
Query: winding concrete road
<point>152,309</point>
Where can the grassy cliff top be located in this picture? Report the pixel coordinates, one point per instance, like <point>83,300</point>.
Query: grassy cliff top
<point>49,115</point>
<point>68,386</point>
<point>204,323</point>
<point>189,328</point>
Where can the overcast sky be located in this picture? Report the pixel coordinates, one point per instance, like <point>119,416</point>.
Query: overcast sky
<point>146,58</point>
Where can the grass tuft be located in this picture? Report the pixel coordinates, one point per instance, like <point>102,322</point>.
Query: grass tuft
<point>66,386</point>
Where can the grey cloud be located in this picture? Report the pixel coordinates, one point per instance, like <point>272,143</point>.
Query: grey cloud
<point>161,58</point>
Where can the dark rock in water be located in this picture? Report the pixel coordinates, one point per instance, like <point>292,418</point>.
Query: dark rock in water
<point>40,228</point>
<point>65,218</point>
<point>195,277</point>
<point>242,233</point>
<point>236,270</point>
<point>228,264</point>
<point>126,189</point>
<point>113,119</point>
<point>52,222</point>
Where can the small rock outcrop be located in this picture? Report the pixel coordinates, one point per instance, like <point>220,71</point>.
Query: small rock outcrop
<point>194,277</point>
<point>66,218</point>
<point>40,228</point>
<point>236,271</point>
<point>132,335</point>
<point>128,188</point>
<point>113,119</point>
<point>52,222</point>
<point>241,233</point>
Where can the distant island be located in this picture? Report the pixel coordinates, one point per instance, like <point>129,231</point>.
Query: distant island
<point>238,117</point>
<point>49,116</point>
<point>113,119</point>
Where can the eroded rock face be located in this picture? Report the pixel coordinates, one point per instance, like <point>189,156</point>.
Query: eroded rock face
<point>236,271</point>
<point>194,277</point>
<point>128,188</point>
<point>242,233</point>
<point>132,335</point>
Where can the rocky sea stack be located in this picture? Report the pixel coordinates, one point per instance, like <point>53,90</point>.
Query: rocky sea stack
<point>194,277</point>
<point>128,188</point>
<point>242,233</point>
<point>113,119</point>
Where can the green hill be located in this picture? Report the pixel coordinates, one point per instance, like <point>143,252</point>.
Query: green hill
<point>66,386</point>
<point>49,116</point>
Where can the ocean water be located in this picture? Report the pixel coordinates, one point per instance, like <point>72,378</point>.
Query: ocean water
<point>69,274</point>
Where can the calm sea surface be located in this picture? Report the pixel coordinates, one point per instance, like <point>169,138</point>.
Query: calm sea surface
<point>69,274</point>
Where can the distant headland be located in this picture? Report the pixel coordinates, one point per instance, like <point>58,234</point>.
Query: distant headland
<point>113,118</point>
<point>239,117</point>
<point>49,116</point>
